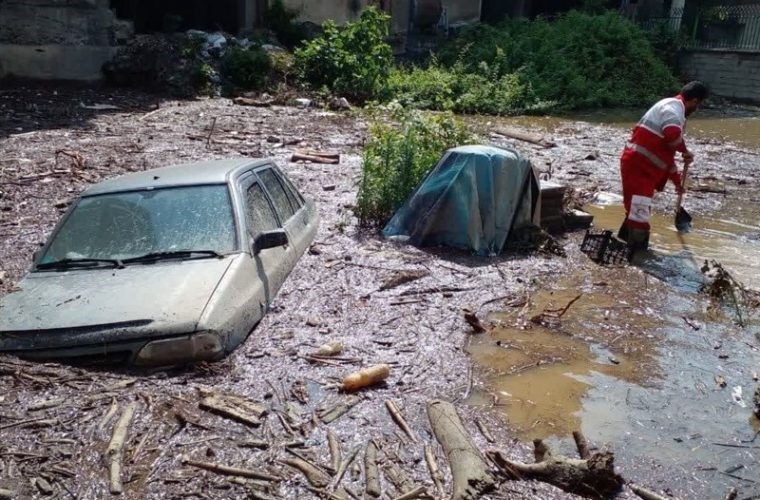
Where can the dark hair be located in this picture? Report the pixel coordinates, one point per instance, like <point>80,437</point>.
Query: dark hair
<point>695,90</point>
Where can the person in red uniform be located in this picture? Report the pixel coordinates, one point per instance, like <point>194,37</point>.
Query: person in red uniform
<point>649,159</point>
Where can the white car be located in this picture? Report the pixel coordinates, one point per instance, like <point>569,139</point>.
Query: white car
<point>161,267</point>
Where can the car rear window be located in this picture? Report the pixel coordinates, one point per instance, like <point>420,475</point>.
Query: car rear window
<point>279,197</point>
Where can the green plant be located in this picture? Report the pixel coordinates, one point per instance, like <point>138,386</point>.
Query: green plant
<point>203,78</point>
<point>281,21</point>
<point>246,68</point>
<point>353,60</point>
<point>398,155</point>
<point>192,45</point>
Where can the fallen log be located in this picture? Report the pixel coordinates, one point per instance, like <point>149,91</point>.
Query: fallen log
<point>315,157</point>
<point>469,470</point>
<point>247,101</point>
<point>594,477</point>
<point>115,450</point>
<point>525,137</point>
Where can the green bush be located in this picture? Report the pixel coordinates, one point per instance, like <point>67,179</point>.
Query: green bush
<point>281,21</point>
<point>576,61</point>
<point>398,155</point>
<point>246,68</point>
<point>353,60</point>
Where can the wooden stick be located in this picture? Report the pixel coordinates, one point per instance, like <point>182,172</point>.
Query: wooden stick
<point>435,472</point>
<point>371,471</point>
<point>7,494</point>
<point>732,494</point>
<point>344,467</point>
<point>230,471</point>
<point>211,132</point>
<point>581,444</point>
<point>415,493</point>
<point>524,136</point>
<point>115,450</point>
<point>314,159</point>
<point>399,419</point>
<point>335,454</point>
<point>109,414</point>
<point>470,472</point>
<point>647,494</point>
<point>484,430</point>
<point>315,476</point>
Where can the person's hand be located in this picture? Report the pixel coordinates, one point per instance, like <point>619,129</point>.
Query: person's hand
<point>688,157</point>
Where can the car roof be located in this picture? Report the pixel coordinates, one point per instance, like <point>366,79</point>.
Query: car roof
<point>188,174</point>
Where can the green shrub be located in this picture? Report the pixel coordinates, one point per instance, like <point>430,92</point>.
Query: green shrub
<point>353,60</point>
<point>397,157</point>
<point>577,61</point>
<point>281,21</point>
<point>246,68</point>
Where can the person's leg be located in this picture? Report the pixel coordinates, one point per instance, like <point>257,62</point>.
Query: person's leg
<point>638,191</point>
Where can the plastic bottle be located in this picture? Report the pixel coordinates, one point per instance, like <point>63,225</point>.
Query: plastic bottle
<point>366,377</point>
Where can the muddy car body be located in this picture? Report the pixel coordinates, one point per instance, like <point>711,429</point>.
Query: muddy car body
<point>161,267</point>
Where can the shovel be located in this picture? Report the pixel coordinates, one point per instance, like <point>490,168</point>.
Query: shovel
<point>683,219</point>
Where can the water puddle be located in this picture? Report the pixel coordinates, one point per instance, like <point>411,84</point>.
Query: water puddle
<point>637,360</point>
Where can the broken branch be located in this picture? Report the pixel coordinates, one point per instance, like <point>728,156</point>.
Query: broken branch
<point>115,450</point>
<point>230,471</point>
<point>399,419</point>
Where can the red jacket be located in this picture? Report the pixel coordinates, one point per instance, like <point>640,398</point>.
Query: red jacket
<point>656,139</point>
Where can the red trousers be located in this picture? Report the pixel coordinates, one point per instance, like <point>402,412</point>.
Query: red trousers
<point>639,186</point>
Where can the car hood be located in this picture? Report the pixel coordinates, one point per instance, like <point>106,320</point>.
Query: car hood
<point>165,297</point>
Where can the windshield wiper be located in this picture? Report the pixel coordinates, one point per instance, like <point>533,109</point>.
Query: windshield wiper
<point>176,254</point>
<point>83,262</point>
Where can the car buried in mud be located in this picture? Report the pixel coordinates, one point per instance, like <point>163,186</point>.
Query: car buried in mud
<point>161,267</point>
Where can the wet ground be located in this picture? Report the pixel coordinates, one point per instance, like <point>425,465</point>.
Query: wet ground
<point>638,369</point>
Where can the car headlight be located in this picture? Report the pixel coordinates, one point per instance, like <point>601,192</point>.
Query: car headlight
<point>202,346</point>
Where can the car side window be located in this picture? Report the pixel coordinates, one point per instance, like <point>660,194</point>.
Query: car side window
<point>293,195</point>
<point>279,197</point>
<point>261,217</point>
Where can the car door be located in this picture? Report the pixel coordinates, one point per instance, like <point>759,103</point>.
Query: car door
<point>290,208</point>
<point>260,217</point>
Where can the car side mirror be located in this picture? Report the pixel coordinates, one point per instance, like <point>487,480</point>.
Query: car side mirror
<point>270,239</point>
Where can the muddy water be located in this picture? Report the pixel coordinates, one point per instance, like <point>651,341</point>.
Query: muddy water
<point>637,361</point>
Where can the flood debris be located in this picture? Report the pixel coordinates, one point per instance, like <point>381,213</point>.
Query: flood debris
<point>115,450</point>
<point>592,477</point>
<point>371,471</point>
<point>470,472</point>
<point>329,349</point>
<point>395,412</point>
<point>235,408</point>
<point>520,135</point>
<point>474,322</point>
<point>756,402</point>
<point>402,278</point>
<point>435,471</point>
<point>722,287</point>
<point>366,377</point>
<point>230,471</point>
<point>646,494</point>
<point>330,411</point>
<point>314,156</point>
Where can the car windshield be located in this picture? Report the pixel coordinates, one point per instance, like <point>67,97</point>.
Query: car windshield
<point>132,224</point>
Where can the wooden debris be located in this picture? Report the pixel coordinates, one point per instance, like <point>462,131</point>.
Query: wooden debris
<point>314,475</point>
<point>581,444</point>
<point>366,377</point>
<point>541,318</point>
<point>109,414</point>
<point>484,430</point>
<point>7,494</point>
<point>254,443</point>
<point>594,477</point>
<point>230,471</point>
<point>732,494</point>
<point>44,486</point>
<point>397,477</point>
<point>756,402</point>
<point>473,321</point>
<point>399,419</point>
<point>647,494</point>
<point>247,101</point>
<point>415,493</point>
<point>402,278</point>
<point>468,469</point>
<point>115,450</point>
<point>331,413</point>
<point>344,465</point>
<point>235,408</point>
<point>435,472</point>
<point>46,404</point>
<point>371,471</point>
<point>31,422</point>
<point>333,444</point>
<point>315,156</point>
<point>525,137</point>
<point>720,380</point>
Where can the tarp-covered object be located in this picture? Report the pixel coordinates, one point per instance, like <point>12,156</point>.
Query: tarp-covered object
<point>473,199</point>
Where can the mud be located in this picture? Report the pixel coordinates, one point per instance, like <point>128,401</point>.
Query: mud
<point>335,287</point>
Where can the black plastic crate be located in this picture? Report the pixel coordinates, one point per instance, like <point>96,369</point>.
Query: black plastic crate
<point>604,248</point>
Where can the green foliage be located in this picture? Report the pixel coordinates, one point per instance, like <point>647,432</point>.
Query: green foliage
<point>281,21</point>
<point>202,78</point>
<point>666,43</point>
<point>246,68</point>
<point>397,157</point>
<point>192,45</point>
<point>576,61</point>
<point>353,60</point>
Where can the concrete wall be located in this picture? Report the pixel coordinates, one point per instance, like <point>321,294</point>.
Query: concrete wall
<point>459,11</point>
<point>58,39</point>
<point>728,73</point>
<point>317,12</point>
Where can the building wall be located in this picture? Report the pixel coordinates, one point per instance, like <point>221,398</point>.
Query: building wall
<point>459,11</point>
<point>317,12</point>
<point>728,73</point>
<point>58,39</point>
